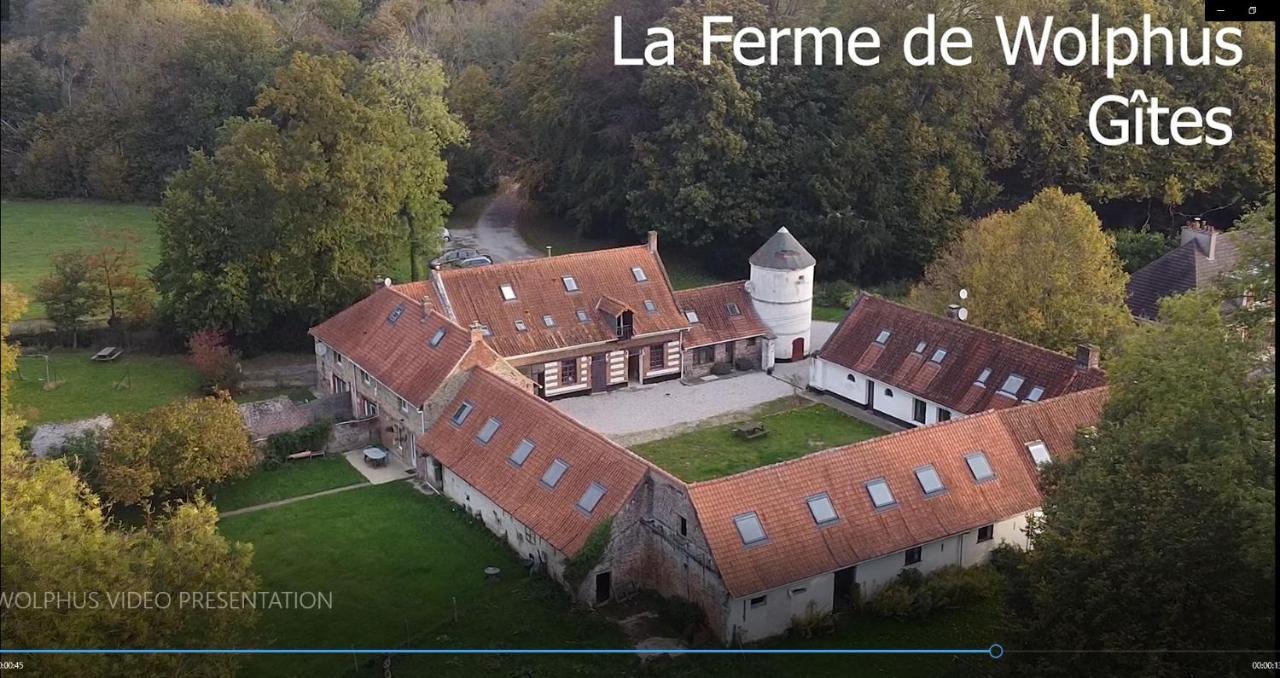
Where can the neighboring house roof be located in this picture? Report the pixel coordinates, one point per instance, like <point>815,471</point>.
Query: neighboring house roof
<point>782,251</point>
<point>603,282</point>
<point>552,512</point>
<point>389,335</point>
<point>796,547</point>
<point>967,352</point>
<point>1182,269</point>
<point>724,313</point>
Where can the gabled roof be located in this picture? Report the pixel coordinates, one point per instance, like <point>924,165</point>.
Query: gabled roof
<point>782,251</point>
<point>796,547</point>
<point>1182,269</point>
<point>603,279</point>
<point>716,324</point>
<point>398,353</point>
<point>551,512</point>
<point>969,352</point>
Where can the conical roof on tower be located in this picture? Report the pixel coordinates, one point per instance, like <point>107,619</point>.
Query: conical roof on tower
<point>783,252</point>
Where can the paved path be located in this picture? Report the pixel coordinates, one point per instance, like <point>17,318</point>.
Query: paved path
<point>494,231</point>
<point>290,500</point>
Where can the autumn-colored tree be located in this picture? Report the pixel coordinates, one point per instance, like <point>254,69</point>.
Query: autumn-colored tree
<point>178,447</point>
<point>114,268</point>
<point>69,294</point>
<point>1045,273</point>
<point>214,360</point>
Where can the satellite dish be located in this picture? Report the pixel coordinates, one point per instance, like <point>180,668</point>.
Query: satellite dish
<point>386,282</point>
<point>321,349</point>
<point>963,314</point>
<point>964,294</point>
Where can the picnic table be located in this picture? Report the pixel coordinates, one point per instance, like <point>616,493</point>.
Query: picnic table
<point>108,354</point>
<point>375,457</point>
<point>750,430</point>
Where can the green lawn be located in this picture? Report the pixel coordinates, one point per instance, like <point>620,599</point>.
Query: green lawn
<point>293,479</point>
<point>131,383</point>
<point>715,451</point>
<point>400,566</point>
<point>31,230</point>
<point>829,313</point>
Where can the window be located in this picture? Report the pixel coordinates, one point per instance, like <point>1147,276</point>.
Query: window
<point>370,407</point>
<point>650,306</point>
<point>979,467</point>
<point>337,358</point>
<point>582,316</point>
<point>1012,385</point>
<point>404,405</point>
<point>888,393</point>
<point>929,480</point>
<point>986,533</point>
<point>684,527</point>
<point>798,591</point>
<point>568,372</point>
<point>1037,392</point>
<point>437,337</point>
<point>704,355</point>
<point>733,309</point>
<point>508,292</point>
<point>657,357</point>
<point>982,378</point>
<point>554,473</point>
<point>938,355</point>
<point>821,509</point>
<point>691,316</point>
<point>1039,452</point>
<point>521,327</point>
<point>919,409</point>
<point>490,427</point>
<point>395,315</point>
<point>759,601</point>
<point>591,497</point>
<point>912,556</point>
<point>883,337</point>
<point>638,274</point>
<point>881,495</point>
<point>461,414</point>
<point>548,321</point>
<point>365,378</point>
<point>570,285</point>
<point>340,385</point>
<point>851,378</point>
<point>522,452</point>
<point>920,347</point>
<point>749,528</point>
<point>944,415</point>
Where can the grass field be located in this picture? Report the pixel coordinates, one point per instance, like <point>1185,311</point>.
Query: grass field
<point>31,230</point>
<point>129,384</point>
<point>293,479</point>
<point>402,568</point>
<point>715,451</point>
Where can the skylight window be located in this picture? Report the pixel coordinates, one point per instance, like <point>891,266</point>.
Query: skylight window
<point>749,528</point>
<point>821,509</point>
<point>979,467</point>
<point>930,482</point>
<point>883,337</point>
<point>881,496</point>
<point>521,327</point>
<point>463,411</point>
<point>582,316</point>
<point>508,292</point>
<point>548,321</point>
<point>591,497</point>
<point>982,378</point>
<point>437,337</point>
<point>920,347</point>
<point>691,316</point>
<point>733,309</point>
<point>490,427</point>
<point>554,473</point>
<point>570,285</point>
<point>395,315</point>
<point>638,274</point>
<point>1037,392</point>
<point>938,355</point>
<point>1012,385</point>
<point>522,452</point>
<point>650,306</point>
<point>1039,452</point>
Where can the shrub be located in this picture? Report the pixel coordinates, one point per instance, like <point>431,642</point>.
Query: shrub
<point>914,596</point>
<point>812,624</point>
<point>835,294</point>
<point>213,359</point>
<point>681,615</point>
<point>81,452</point>
<point>310,437</point>
<point>721,369</point>
<point>576,569</point>
<point>744,364</point>
<point>895,600</point>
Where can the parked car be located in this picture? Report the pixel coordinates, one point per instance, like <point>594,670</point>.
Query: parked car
<point>465,257</point>
<point>478,260</point>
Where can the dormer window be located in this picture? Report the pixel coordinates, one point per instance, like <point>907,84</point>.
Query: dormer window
<point>1039,452</point>
<point>821,509</point>
<point>395,315</point>
<point>938,356</point>
<point>437,337</point>
<point>650,306</point>
<point>979,467</point>
<point>749,529</point>
<point>881,495</point>
<point>930,481</point>
<point>883,337</point>
<point>638,274</point>
<point>554,473</point>
<point>920,347</point>
<point>582,316</point>
<point>508,292</point>
<point>570,285</point>
<point>982,378</point>
<point>521,327</point>
<point>548,321</point>
<point>592,497</point>
<point>1012,385</point>
<point>1037,392</point>
<point>691,316</point>
<point>733,309</point>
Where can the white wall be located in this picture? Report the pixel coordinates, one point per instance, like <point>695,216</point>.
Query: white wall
<point>524,541</point>
<point>784,301</point>
<point>833,378</point>
<point>781,605</point>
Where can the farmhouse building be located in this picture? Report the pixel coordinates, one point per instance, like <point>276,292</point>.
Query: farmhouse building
<point>724,328</point>
<point>917,368</point>
<point>1203,256</point>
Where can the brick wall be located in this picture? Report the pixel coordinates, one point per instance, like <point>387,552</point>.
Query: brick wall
<point>743,348</point>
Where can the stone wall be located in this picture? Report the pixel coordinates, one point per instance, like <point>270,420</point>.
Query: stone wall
<point>750,349</point>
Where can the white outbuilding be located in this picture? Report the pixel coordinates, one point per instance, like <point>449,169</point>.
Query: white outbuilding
<point>781,290</point>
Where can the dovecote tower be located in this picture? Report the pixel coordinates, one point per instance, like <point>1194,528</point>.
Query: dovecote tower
<point>781,290</point>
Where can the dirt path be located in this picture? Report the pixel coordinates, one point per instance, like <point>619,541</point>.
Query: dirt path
<point>494,231</point>
<point>291,500</point>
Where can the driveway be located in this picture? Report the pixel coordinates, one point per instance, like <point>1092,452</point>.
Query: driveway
<point>494,231</point>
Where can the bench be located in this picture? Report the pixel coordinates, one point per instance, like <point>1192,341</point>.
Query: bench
<point>108,354</point>
<point>305,454</point>
<point>750,430</point>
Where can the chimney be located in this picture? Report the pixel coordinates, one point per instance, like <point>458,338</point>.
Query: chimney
<point>653,242</point>
<point>379,283</point>
<point>1086,357</point>
<point>1204,235</point>
<point>426,306</point>
<point>953,311</point>
<point>478,332</point>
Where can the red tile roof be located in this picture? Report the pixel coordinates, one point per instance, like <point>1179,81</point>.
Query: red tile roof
<point>397,354</point>
<point>797,548</point>
<point>604,281</point>
<point>715,324</point>
<point>550,512</point>
<point>969,351</point>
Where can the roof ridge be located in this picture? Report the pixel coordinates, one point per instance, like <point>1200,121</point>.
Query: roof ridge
<point>712,286</point>
<point>454,272</point>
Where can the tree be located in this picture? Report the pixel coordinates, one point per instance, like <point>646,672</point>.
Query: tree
<point>214,360</point>
<point>178,447</point>
<point>54,537</point>
<point>1254,279</point>
<point>114,270</point>
<point>1139,248</point>
<point>1045,273</point>
<point>69,294</point>
<point>1160,531</point>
